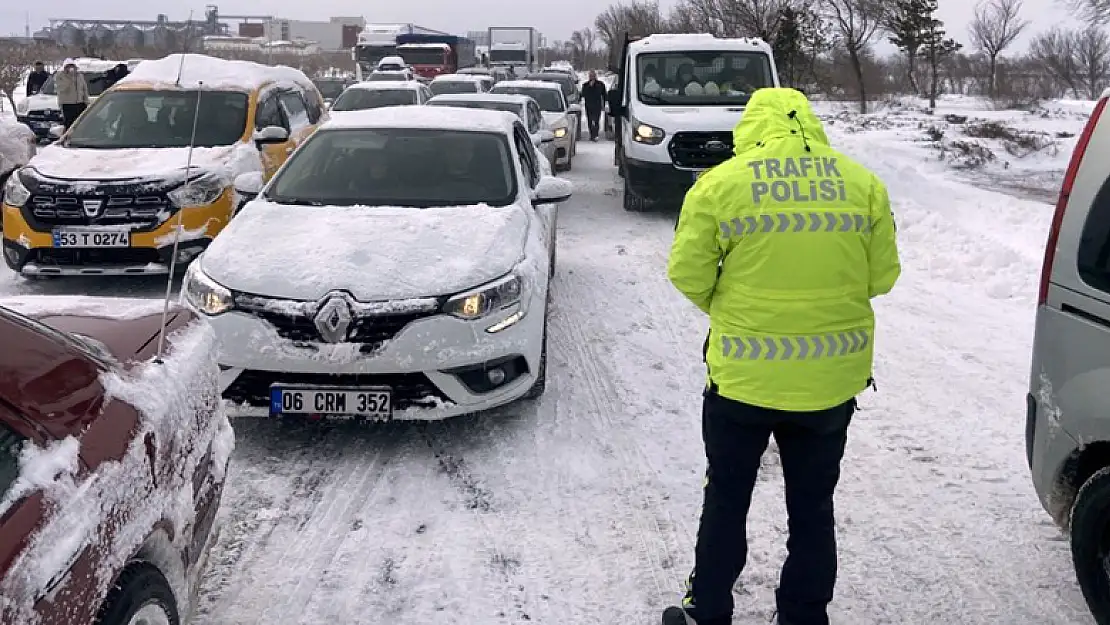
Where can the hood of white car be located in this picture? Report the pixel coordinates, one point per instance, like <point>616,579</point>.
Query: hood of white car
<point>40,102</point>
<point>374,253</point>
<point>698,118</point>
<point>554,120</point>
<point>65,163</point>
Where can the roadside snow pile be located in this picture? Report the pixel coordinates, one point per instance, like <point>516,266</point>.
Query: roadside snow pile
<point>117,507</point>
<point>1017,151</point>
<point>16,144</point>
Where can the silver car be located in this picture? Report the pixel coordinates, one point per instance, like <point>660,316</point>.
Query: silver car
<point>523,106</point>
<point>1067,426</point>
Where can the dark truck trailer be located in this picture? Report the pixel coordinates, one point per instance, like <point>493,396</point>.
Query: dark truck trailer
<point>433,55</point>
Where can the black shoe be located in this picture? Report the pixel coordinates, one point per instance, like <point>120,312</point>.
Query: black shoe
<point>675,615</point>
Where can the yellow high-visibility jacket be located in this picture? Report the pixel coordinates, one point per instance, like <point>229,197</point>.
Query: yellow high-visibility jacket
<point>784,245</point>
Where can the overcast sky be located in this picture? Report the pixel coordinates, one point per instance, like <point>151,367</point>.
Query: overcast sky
<point>556,19</point>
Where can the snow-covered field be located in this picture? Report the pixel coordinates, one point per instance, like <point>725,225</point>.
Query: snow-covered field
<point>583,507</point>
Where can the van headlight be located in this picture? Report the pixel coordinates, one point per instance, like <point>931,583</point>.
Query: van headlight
<point>202,191</point>
<point>204,294</point>
<point>487,299</point>
<point>23,107</point>
<point>646,133</point>
<point>15,193</point>
<point>560,133</point>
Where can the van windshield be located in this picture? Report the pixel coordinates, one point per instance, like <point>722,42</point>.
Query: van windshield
<point>161,119</point>
<point>710,78</point>
<point>98,82</point>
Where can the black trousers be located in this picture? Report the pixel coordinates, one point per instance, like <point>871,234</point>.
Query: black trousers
<point>593,116</point>
<point>70,113</point>
<point>811,445</point>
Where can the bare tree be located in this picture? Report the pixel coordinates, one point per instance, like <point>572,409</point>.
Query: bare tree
<point>856,22</point>
<point>1092,59</point>
<point>1053,51</point>
<point>16,60</point>
<point>639,17</point>
<point>994,28</point>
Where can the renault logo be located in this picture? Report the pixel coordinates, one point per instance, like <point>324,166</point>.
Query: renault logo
<point>716,146</point>
<point>333,318</point>
<point>92,207</point>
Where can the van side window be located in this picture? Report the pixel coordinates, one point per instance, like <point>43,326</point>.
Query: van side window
<point>293,107</point>
<point>527,155</point>
<point>268,113</point>
<point>1094,242</point>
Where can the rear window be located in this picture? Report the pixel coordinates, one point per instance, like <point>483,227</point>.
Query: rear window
<point>1094,242</point>
<point>363,99</point>
<point>11,444</point>
<point>447,87</point>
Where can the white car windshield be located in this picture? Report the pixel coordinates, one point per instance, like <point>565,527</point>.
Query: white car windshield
<point>362,99</point>
<point>161,119</point>
<point>548,99</point>
<point>723,78</point>
<point>443,87</point>
<point>397,167</point>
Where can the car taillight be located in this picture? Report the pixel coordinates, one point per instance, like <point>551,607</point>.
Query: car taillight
<point>1062,202</point>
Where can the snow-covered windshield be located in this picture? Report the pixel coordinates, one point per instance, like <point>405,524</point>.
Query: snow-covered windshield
<point>161,119</point>
<point>11,445</point>
<point>397,167</point>
<point>97,82</point>
<point>488,105</point>
<point>362,99</point>
<point>548,99</point>
<point>442,87</point>
<point>423,56</point>
<point>703,78</point>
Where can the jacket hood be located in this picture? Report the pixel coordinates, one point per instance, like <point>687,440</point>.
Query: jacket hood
<point>774,113</point>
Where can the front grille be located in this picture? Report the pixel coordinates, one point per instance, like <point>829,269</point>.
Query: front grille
<point>410,390</point>
<point>371,330</point>
<point>63,257</point>
<point>45,116</point>
<point>143,212</point>
<point>689,149</point>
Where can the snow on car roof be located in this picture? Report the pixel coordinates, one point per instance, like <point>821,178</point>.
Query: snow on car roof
<point>530,84</point>
<point>425,46</point>
<point>379,85</point>
<point>213,72</point>
<point>511,98</point>
<point>426,117</point>
<point>460,78</point>
<point>690,42</point>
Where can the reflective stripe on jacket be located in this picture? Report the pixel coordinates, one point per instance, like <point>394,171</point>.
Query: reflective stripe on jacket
<point>784,245</point>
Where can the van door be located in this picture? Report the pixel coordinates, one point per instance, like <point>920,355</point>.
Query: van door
<point>619,99</point>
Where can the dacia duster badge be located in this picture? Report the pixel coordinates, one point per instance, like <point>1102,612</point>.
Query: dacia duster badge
<point>104,199</point>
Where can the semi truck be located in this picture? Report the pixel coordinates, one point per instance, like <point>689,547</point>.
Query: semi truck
<point>432,55</point>
<point>514,48</point>
<point>377,41</point>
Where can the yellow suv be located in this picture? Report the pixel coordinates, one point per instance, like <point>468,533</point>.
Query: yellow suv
<point>104,198</point>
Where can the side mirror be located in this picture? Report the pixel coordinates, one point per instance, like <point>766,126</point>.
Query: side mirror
<point>552,190</point>
<point>249,185</point>
<point>576,108</point>
<point>270,135</point>
<point>56,131</point>
<point>544,136</point>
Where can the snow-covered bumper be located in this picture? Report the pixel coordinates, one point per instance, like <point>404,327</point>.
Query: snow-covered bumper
<point>105,229</point>
<point>432,364</point>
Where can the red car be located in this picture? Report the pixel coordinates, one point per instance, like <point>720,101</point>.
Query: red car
<point>112,466</point>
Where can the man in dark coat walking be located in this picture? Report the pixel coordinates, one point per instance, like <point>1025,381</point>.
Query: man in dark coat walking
<point>37,78</point>
<point>593,94</point>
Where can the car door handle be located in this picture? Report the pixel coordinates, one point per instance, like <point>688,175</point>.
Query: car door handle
<point>1078,312</point>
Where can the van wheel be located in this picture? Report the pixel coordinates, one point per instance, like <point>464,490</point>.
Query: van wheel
<point>633,202</point>
<point>1090,543</point>
<point>141,596</point>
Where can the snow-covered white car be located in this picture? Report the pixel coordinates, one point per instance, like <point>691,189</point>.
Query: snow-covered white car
<point>17,146</point>
<point>396,267</point>
<point>371,95</point>
<point>460,83</point>
<point>401,75</point>
<point>522,106</point>
<point>556,112</point>
<point>41,111</point>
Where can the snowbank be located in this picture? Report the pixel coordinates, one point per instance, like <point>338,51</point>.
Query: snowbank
<point>170,397</point>
<point>16,144</point>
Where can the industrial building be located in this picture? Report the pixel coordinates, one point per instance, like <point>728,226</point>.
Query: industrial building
<point>338,33</point>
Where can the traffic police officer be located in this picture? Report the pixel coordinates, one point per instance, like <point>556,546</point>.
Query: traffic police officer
<point>783,245</point>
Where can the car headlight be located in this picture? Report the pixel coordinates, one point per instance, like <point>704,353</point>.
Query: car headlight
<point>15,193</point>
<point>646,133</point>
<point>204,294</point>
<point>560,133</point>
<point>487,299</point>
<point>202,191</point>
<point>22,107</point>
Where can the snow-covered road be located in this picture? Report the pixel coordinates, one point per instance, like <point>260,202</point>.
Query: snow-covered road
<point>582,507</point>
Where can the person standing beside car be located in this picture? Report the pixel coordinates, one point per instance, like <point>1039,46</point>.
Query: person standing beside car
<point>37,78</point>
<point>73,92</point>
<point>593,95</point>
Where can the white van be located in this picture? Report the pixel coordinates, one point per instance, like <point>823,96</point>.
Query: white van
<point>41,111</point>
<point>675,103</point>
